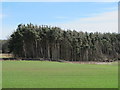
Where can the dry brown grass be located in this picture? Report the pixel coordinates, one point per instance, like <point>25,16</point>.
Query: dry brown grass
<point>89,62</point>
<point>6,55</point>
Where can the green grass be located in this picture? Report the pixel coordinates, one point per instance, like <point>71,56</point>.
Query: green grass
<point>43,74</point>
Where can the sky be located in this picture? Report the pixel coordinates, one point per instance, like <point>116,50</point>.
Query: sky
<point>80,16</point>
<point>60,0</point>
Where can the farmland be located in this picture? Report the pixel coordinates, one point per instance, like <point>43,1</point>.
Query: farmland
<point>59,45</point>
<point>45,74</point>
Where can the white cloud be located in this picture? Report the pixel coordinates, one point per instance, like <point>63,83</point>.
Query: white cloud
<point>104,22</point>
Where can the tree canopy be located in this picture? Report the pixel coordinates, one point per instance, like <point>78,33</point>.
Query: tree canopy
<point>53,43</point>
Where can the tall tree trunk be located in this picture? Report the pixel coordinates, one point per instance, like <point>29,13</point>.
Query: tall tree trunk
<point>24,49</point>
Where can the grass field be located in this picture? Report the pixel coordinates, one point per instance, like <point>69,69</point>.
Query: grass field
<point>44,74</point>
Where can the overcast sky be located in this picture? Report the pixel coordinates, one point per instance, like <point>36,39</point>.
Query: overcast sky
<point>81,16</point>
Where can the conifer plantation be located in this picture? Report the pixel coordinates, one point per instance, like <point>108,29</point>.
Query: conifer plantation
<point>53,43</point>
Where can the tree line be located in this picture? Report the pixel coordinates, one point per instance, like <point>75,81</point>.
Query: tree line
<point>4,46</point>
<point>53,43</point>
